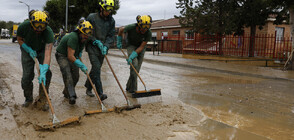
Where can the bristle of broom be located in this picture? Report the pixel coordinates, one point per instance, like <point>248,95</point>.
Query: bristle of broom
<point>115,109</point>
<point>51,127</point>
<point>120,109</point>
<point>144,93</point>
<point>98,111</point>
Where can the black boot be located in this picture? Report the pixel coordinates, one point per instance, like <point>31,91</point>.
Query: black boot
<point>103,96</point>
<point>89,93</point>
<point>45,107</point>
<point>72,95</point>
<point>72,100</point>
<point>27,103</point>
<point>65,94</point>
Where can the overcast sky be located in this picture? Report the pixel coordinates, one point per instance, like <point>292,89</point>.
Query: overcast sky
<point>12,10</point>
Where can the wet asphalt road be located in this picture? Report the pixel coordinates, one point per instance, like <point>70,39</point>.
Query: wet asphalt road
<point>256,100</point>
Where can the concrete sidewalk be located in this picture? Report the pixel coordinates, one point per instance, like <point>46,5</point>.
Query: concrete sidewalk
<point>177,60</point>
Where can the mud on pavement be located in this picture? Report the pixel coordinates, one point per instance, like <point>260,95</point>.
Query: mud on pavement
<point>156,119</point>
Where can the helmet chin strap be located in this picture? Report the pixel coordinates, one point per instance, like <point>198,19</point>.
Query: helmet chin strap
<point>81,37</point>
<point>36,30</point>
<point>139,29</point>
<point>102,13</point>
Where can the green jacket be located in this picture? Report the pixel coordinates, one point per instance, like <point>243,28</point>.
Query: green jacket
<point>135,38</point>
<point>104,30</point>
<point>36,41</point>
<point>71,40</point>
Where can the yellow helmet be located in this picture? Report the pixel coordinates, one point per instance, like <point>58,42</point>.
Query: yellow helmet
<point>144,21</point>
<point>39,20</point>
<point>107,5</point>
<point>31,13</point>
<point>85,27</point>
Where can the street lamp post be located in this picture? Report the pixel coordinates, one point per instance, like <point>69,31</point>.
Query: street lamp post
<point>27,6</point>
<point>66,13</point>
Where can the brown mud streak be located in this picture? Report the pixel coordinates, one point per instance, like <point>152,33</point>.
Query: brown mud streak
<point>5,91</point>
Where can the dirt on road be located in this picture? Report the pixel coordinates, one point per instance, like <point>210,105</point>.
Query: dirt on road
<point>154,120</point>
<point>160,117</point>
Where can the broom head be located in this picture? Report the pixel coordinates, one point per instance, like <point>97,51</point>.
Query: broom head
<point>146,93</point>
<point>51,127</point>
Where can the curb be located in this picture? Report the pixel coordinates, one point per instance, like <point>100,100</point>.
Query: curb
<point>209,69</point>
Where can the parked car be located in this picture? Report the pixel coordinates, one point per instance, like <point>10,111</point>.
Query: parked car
<point>151,44</point>
<point>5,33</point>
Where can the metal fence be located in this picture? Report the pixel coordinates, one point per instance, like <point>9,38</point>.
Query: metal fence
<point>265,45</point>
<point>170,46</point>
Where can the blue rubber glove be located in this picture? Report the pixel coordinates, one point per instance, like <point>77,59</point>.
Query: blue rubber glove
<point>104,50</point>
<point>81,65</point>
<point>29,50</point>
<point>132,56</point>
<point>80,54</point>
<point>43,70</point>
<point>99,44</point>
<point>119,42</point>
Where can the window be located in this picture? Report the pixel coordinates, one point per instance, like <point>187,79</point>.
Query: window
<point>164,35</point>
<point>176,32</point>
<point>189,35</point>
<point>280,33</point>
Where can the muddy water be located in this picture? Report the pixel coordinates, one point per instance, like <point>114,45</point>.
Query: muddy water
<point>195,104</point>
<point>263,106</point>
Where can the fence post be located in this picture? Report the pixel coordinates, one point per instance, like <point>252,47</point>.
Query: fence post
<point>284,46</point>
<point>243,43</point>
<point>178,44</point>
<point>194,43</point>
<point>162,41</point>
<point>274,52</point>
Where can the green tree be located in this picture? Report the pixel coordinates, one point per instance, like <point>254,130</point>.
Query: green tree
<point>82,8</point>
<point>209,17</point>
<point>224,17</point>
<point>284,9</point>
<point>251,13</point>
<point>2,24</point>
<point>54,7</point>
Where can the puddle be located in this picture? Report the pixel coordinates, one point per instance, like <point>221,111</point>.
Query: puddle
<point>184,136</point>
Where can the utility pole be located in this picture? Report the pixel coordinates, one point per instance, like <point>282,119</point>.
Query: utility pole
<point>66,15</point>
<point>27,6</point>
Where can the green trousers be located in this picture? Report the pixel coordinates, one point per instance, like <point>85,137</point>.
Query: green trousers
<point>137,62</point>
<point>28,65</point>
<point>70,75</point>
<point>96,59</point>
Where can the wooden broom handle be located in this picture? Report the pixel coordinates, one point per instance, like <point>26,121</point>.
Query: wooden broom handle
<point>134,69</point>
<point>290,57</point>
<point>97,95</point>
<point>46,93</point>
<point>115,77</point>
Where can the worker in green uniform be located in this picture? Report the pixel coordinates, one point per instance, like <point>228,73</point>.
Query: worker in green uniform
<point>98,45</point>
<point>68,55</point>
<point>35,38</point>
<point>138,34</point>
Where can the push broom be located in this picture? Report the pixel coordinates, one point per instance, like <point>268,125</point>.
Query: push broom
<point>129,106</point>
<point>146,92</point>
<point>103,108</point>
<point>55,122</point>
